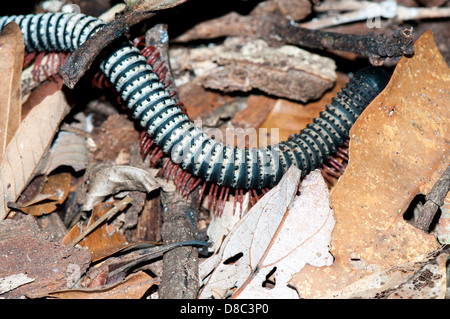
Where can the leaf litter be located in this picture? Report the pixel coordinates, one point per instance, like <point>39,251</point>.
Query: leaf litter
<point>297,241</point>
<point>281,233</point>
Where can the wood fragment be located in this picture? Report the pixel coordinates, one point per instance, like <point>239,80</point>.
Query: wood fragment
<point>81,60</point>
<point>25,249</point>
<point>287,71</point>
<point>277,31</point>
<point>434,200</point>
<point>84,56</point>
<point>180,266</point>
<point>158,37</point>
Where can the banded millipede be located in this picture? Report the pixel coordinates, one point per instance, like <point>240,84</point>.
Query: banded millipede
<point>153,107</point>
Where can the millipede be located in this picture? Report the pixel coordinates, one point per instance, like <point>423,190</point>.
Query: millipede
<point>167,124</point>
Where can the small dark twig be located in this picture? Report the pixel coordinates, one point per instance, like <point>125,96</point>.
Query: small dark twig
<point>281,31</point>
<point>434,200</point>
<point>375,47</point>
<point>147,254</point>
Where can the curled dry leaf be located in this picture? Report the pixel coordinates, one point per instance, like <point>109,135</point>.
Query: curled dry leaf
<point>110,180</point>
<point>399,147</point>
<point>68,149</point>
<point>280,235</point>
<point>11,57</point>
<point>54,192</point>
<point>27,147</point>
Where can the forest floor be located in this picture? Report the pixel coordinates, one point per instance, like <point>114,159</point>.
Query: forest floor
<point>92,209</point>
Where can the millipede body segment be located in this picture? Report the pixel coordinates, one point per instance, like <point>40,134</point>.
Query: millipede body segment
<point>158,113</point>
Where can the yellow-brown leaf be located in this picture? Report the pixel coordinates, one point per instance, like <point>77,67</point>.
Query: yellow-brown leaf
<point>11,60</point>
<point>399,147</point>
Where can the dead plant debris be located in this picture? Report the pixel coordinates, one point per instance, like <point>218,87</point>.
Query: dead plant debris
<point>90,209</point>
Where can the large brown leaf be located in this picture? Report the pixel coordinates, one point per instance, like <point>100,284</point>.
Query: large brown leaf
<point>11,60</point>
<point>399,147</point>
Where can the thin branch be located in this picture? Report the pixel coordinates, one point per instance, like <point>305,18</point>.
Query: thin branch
<point>434,200</point>
<point>281,31</point>
<point>179,279</point>
<point>375,47</point>
<point>82,59</point>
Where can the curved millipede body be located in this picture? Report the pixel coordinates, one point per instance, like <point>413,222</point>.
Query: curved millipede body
<point>187,145</point>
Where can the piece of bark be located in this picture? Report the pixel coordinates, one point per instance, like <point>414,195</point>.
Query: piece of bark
<point>432,3</point>
<point>289,117</point>
<point>52,225</point>
<point>295,9</point>
<point>180,266</point>
<point>92,7</point>
<point>117,128</point>
<point>287,71</point>
<point>25,249</point>
<point>281,31</point>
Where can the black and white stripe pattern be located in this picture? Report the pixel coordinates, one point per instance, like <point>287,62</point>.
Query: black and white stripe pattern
<point>186,144</point>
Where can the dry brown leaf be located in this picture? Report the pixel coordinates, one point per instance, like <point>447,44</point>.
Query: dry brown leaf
<point>11,57</point>
<point>132,287</point>
<point>28,146</point>
<point>54,193</point>
<point>102,241</point>
<point>281,234</point>
<point>399,147</point>
<point>110,180</point>
<point>68,149</point>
